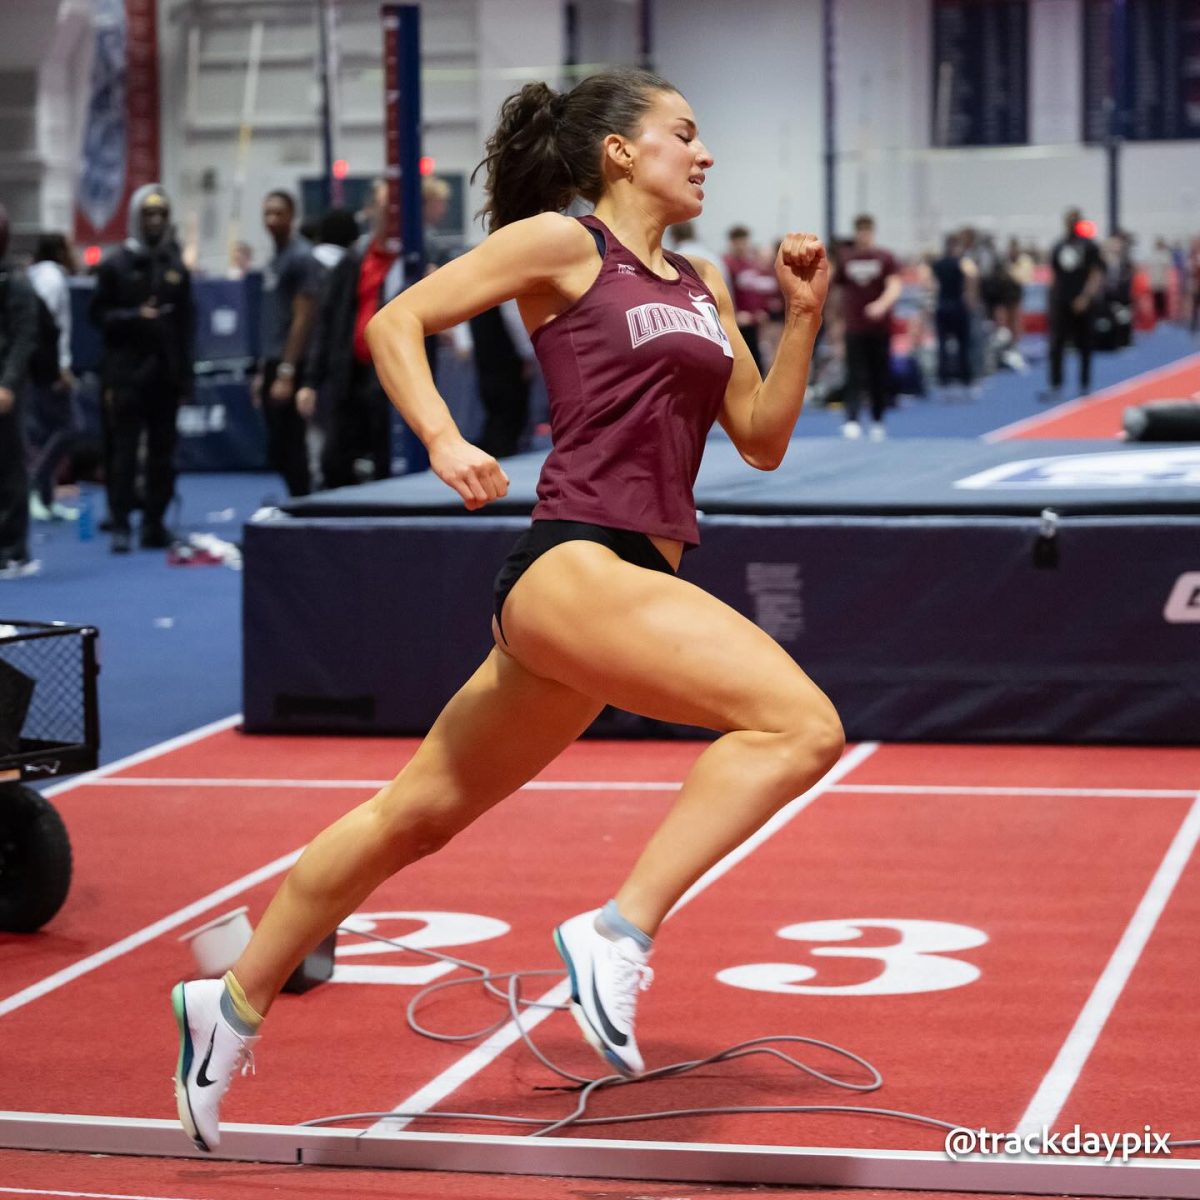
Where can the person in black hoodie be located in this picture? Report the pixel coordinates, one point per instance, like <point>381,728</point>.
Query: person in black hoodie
<point>339,363</point>
<point>143,309</point>
<point>18,334</point>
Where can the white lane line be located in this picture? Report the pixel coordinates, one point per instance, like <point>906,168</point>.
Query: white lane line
<point>1005,432</point>
<point>548,785</point>
<point>85,965</point>
<point>1056,1087</point>
<point>477,1059</point>
<point>155,751</point>
<point>601,785</point>
<point>924,789</point>
<point>8,1191</point>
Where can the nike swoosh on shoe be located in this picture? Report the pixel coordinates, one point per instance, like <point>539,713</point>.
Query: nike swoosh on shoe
<point>203,1078</point>
<point>613,1034</point>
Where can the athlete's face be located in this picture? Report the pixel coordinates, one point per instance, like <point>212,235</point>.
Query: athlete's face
<point>668,158</point>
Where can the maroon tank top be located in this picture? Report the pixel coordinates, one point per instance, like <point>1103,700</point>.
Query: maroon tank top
<point>636,371</point>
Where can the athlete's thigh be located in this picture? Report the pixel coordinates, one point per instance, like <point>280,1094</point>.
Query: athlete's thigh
<point>502,727</point>
<point>653,644</point>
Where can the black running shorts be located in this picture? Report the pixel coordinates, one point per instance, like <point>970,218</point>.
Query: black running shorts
<point>635,548</point>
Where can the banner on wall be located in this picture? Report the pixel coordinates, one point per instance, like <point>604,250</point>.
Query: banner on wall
<point>120,150</point>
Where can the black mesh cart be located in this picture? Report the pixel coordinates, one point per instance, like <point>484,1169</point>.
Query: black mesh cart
<point>49,726</point>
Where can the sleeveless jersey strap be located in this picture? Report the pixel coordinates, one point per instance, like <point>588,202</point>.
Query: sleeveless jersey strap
<point>593,227</point>
<point>684,265</point>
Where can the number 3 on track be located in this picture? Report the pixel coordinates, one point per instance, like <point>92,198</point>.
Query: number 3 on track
<point>916,962</point>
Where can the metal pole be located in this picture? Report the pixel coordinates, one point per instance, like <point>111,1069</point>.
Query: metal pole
<point>571,38</point>
<point>406,225</point>
<point>245,132</point>
<point>1117,103</point>
<point>646,35</point>
<point>326,121</point>
<point>408,80</point>
<point>830,124</point>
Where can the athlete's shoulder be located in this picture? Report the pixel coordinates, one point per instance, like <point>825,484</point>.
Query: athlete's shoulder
<point>548,236</point>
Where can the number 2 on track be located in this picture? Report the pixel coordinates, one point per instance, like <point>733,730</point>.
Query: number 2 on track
<point>917,962</point>
<point>438,931</point>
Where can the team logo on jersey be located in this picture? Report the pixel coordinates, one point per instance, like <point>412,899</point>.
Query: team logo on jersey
<point>625,269</point>
<point>649,321</point>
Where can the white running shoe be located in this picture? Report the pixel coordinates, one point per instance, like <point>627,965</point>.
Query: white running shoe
<point>210,1051</point>
<point>877,433</point>
<point>19,568</point>
<point>606,977</point>
<point>851,430</point>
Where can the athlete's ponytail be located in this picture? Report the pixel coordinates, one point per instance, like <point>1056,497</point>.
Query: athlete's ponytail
<point>546,147</point>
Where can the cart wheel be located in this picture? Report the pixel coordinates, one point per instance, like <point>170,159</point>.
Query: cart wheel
<point>35,860</point>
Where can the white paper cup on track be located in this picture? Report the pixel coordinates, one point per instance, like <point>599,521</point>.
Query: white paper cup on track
<point>218,944</point>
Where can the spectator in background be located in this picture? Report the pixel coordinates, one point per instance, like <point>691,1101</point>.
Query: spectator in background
<point>1017,270</point>
<point>289,301</point>
<point>867,283</point>
<point>1117,259</point>
<point>750,289</point>
<point>441,244</point>
<point>142,306</point>
<point>51,423</point>
<point>684,240</point>
<point>18,333</point>
<point>360,414</point>
<point>241,261</point>
<point>1159,268</point>
<point>337,231</point>
<point>956,279</point>
<point>1078,276</point>
<point>1194,283</point>
<point>504,368</point>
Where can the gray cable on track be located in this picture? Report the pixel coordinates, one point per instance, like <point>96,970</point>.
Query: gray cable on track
<point>515,1002</point>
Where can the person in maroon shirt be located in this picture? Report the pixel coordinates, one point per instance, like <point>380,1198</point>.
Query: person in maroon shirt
<point>867,285</point>
<point>641,352</point>
<point>751,288</point>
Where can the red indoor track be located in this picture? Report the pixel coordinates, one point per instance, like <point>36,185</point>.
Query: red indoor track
<point>1006,932</point>
<point>1100,415</point>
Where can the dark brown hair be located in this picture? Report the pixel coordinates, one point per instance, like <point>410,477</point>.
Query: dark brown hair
<point>545,150</point>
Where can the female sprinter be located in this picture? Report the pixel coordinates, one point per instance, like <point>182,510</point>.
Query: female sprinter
<point>641,354</point>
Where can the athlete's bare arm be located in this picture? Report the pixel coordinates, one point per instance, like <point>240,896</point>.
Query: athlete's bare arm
<point>760,414</point>
<point>540,261</point>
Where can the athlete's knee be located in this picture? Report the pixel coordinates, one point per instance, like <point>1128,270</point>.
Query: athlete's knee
<point>826,738</point>
<point>811,740</point>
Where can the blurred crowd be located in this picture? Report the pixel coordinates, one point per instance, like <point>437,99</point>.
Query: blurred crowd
<point>937,323</point>
<point>933,324</point>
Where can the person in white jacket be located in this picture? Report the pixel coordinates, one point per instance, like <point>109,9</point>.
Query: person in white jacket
<point>52,422</point>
